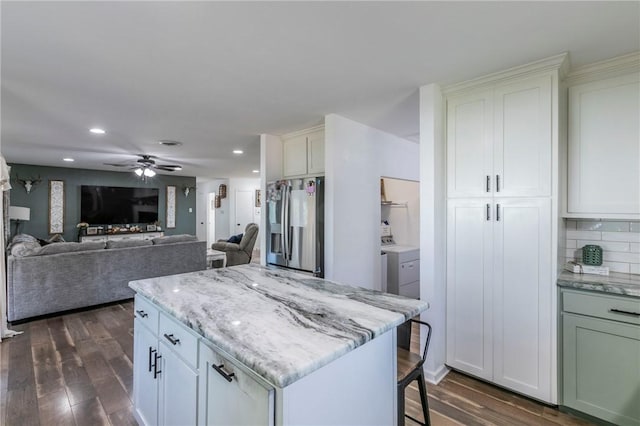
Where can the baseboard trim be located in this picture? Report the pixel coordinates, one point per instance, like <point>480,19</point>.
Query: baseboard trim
<point>435,377</point>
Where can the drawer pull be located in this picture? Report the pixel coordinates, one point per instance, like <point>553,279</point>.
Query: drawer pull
<point>155,366</point>
<point>151,352</point>
<point>172,339</point>
<point>219,369</point>
<point>621,312</point>
<point>142,313</point>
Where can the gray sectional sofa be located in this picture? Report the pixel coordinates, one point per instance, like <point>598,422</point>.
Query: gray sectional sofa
<point>53,278</point>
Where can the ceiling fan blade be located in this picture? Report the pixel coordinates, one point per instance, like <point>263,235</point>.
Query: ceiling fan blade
<point>117,165</point>
<point>168,167</point>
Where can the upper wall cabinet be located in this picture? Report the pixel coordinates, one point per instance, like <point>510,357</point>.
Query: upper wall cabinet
<point>499,141</point>
<point>604,148</point>
<point>303,153</point>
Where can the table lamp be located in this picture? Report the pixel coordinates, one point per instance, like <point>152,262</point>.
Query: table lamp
<point>19,214</point>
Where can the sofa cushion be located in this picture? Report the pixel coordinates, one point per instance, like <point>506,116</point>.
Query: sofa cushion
<point>69,247</point>
<point>170,239</point>
<point>127,243</point>
<point>26,248</point>
<point>235,239</point>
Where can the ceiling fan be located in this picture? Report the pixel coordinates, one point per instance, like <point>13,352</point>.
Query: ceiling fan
<point>146,165</point>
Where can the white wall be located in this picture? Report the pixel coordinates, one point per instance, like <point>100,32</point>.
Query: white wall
<point>356,156</point>
<point>404,220</point>
<point>433,225</point>
<point>203,188</point>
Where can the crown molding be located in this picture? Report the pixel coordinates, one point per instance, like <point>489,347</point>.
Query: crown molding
<point>626,64</point>
<point>557,63</point>
<point>303,132</point>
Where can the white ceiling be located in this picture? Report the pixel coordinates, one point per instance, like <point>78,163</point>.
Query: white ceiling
<point>215,75</point>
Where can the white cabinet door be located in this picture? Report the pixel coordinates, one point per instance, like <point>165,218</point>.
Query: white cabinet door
<point>145,386</point>
<point>295,156</point>
<point>604,148</point>
<point>315,153</point>
<point>179,390</point>
<point>236,399</point>
<point>469,286</point>
<point>469,145</point>
<point>522,295</point>
<point>522,139</point>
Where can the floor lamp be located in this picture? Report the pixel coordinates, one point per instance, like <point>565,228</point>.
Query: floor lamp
<point>19,214</point>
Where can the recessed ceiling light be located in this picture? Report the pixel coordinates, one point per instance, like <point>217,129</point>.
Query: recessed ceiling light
<point>256,171</point>
<point>168,142</point>
<point>70,160</point>
<point>97,131</point>
<point>237,151</point>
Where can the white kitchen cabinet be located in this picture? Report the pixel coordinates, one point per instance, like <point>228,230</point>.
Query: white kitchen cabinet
<point>499,292</point>
<point>145,385</point>
<point>303,153</point>
<point>469,286</point>
<point>502,181</point>
<point>604,148</point>
<point>521,306</point>
<point>499,140</point>
<point>165,379</point>
<point>231,396</point>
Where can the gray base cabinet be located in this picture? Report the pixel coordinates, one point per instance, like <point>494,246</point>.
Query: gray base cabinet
<point>601,356</point>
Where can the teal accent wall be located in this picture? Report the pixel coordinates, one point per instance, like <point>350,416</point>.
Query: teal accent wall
<point>38,199</point>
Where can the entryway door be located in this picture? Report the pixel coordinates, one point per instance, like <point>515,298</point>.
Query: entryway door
<point>244,210</point>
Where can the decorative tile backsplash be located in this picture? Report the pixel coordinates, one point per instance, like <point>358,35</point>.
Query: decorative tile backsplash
<point>620,242</point>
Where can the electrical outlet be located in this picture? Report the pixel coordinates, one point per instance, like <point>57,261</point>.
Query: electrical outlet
<point>190,210</point>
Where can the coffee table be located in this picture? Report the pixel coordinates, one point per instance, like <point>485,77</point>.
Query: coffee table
<point>216,255</point>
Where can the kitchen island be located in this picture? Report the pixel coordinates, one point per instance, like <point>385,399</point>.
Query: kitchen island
<point>252,345</point>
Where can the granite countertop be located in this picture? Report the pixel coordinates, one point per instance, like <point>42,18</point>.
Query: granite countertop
<point>615,283</point>
<point>281,324</point>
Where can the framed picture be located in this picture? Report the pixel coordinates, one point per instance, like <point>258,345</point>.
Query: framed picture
<point>258,200</point>
<point>151,228</point>
<point>92,230</point>
<point>171,206</point>
<point>56,206</point>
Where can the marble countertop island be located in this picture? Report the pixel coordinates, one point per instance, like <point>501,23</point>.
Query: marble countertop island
<point>615,283</point>
<point>281,324</point>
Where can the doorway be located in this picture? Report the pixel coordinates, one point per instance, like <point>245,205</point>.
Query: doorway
<point>211,218</point>
<point>244,210</point>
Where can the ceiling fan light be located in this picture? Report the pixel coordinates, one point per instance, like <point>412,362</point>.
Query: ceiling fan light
<point>138,172</point>
<point>149,173</point>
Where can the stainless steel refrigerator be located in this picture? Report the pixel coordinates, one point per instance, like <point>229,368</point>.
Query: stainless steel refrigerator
<point>295,224</point>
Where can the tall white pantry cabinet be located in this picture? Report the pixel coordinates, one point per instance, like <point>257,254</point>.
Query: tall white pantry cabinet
<point>502,218</point>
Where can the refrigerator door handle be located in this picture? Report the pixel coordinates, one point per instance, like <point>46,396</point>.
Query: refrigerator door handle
<point>287,228</point>
<point>283,222</point>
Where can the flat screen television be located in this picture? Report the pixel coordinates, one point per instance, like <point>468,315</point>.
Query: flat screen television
<point>118,205</point>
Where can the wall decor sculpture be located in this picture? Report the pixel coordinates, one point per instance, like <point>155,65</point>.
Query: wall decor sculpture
<point>56,206</point>
<point>171,206</point>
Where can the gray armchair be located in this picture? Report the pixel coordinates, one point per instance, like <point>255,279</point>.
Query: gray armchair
<point>238,254</point>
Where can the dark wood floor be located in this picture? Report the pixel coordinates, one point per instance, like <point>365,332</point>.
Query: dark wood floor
<point>76,369</point>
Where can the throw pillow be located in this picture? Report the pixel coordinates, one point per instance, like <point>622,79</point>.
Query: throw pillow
<point>56,238</point>
<point>170,239</point>
<point>27,248</point>
<point>70,247</point>
<point>128,243</point>
<point>235,239</point>
<point>21,238</point>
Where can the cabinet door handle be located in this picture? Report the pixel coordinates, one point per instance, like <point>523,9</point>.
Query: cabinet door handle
<point>155,366</point>
<point>142,313</point>
<point>621,312</point>
<point>151,352</point>
<point>172,339</point>
<point>497,212</point>
<point>488,212</point>
<point>488,183</point>
<point>219,369</point>
<point>497,183</point>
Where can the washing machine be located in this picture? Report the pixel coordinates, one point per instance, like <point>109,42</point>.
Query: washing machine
<point>403,269</point>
